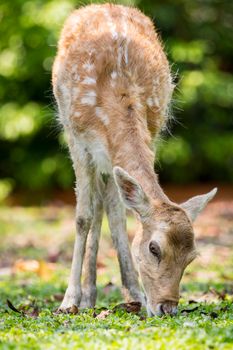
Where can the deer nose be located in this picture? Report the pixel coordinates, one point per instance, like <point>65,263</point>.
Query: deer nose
<point>168,308</point>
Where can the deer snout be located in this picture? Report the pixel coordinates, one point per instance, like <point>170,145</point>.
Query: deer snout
<point>167,308</point>
<point>163,308</point>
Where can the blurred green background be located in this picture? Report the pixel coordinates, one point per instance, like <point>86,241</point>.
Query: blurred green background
<point>197,36</point>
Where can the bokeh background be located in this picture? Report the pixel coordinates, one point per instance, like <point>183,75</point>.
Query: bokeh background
<point>197,37</point>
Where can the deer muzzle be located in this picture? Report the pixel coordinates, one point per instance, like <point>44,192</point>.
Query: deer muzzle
<point>163,308</point>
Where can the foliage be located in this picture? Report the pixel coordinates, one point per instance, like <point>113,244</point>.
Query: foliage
<point>197,37</point>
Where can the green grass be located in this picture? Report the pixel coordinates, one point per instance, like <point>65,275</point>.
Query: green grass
<point>209,327</point>
<point>207,288</point>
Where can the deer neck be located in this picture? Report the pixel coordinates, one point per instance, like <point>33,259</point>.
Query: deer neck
<point>137,158</point>
<point>143,172</point>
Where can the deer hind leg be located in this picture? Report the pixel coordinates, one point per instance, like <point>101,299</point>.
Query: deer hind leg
<point>89,291</point>
<point>117,223</point>
<point>84,217</point>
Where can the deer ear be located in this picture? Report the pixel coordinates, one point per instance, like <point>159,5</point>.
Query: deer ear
<point>195,205</point>
<point>131,192</point>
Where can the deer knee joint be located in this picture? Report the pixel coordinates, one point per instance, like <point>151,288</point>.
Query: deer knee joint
<point>83,224</point>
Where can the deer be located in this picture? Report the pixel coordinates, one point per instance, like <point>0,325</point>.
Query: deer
<point>113,86</point>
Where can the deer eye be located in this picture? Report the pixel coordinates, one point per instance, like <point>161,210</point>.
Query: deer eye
<point>155,250</point>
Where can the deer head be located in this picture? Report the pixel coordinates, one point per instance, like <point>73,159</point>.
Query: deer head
<point>164,245</point>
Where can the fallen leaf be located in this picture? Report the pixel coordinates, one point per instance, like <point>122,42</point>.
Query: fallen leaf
<point>220,295</point>
<point>70,310</point>
<point>13,308</point>
<point>73,310</point>
<point>190,310</point>
<point>192,301</point>
<point>58,297</point>
<point>45,270</point>
<point>142,318</point>
<point>205,297</point>
<point>103,314</point>
<point>100,264</point>
<point>41,268</point>
<point>25,266</point>
<point>25,310</point>
<point>97,311</point>
<point>133,307</point>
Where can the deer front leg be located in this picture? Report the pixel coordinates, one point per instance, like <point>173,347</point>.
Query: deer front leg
<point>84,215</point>
<point>117,223</point>
<point>89,291</point>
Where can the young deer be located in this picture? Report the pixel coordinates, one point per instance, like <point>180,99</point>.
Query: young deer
<point>112,84</point>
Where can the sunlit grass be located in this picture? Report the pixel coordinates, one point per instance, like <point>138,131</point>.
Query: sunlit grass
<point>209,327</point>
<point>42,237</point>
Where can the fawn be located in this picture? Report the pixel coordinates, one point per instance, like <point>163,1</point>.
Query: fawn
<point>112,83</point>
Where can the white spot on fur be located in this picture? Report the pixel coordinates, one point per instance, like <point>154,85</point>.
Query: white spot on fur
<point>114,74</point>
<point>88,66</point>
<point>91,93</point>
<point>77,114</point>
<point>119,57</point>
<point>125,34</point>
<point>113,30</point>
<point>73,21</point>
<point>153,101</point>
<point>111,25</point>
<point>100,155</point>
<point>64,103</point>
<point>65,90</point>
<point>156,101</point>
<point>150,102</point>
<point>103,116</point>
<point>125,28</point>
<point>155,82</point>
<point>62,51</point>
<point>126,54</point>
<point>74,68</point>
<point>93,143</point>
<point>89,98</point>
<point>89,81</point>
<point>138,105</point>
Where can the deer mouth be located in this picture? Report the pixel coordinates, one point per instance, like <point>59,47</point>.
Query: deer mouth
<point>165,308</point>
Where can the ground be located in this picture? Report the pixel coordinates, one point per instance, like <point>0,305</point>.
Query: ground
<point>35,254</point>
